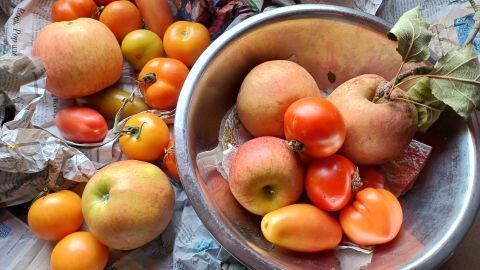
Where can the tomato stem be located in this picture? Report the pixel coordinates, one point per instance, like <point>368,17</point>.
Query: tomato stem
<point>296,146</point>
<point>149,78</point>
<point>356,180</point>
<point>118,115</point>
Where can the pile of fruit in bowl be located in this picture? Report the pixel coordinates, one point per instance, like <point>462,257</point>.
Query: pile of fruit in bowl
<point>319,169</point>
<point>334,147</point>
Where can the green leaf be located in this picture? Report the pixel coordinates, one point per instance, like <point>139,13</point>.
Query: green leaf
<point>455,80</point>
<point>432,107</point>
<point>411,32</point>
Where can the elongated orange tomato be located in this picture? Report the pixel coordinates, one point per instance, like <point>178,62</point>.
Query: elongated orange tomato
<point>301,227</point>
<point>375,217</point>
<point>156,14</point>
<point>161,80</point>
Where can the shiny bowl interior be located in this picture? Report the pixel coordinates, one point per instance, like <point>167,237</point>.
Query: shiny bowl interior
<point>438,211</point>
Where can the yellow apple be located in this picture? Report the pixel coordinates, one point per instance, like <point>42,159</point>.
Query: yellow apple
<point>128,204</point>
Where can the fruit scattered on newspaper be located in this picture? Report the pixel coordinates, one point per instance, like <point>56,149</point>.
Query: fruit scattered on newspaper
<point>341,150</point>
<point>127,203</point>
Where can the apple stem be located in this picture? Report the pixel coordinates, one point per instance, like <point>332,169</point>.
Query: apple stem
<point>296,146</point>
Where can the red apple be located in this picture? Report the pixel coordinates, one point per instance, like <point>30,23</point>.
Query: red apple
<point>265,175</point>
<point>128,204</point>
<point>81,57</point>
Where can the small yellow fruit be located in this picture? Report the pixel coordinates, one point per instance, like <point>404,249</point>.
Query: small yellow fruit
<point>140,46</point>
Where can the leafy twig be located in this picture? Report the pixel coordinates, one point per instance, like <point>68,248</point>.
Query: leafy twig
<point>400,79</point>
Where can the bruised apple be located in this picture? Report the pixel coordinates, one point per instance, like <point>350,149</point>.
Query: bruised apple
<point>267,91</point>
<point>81,57</point>
<point>265,175</point>
<point>128,204</point>
<point>376,131</point>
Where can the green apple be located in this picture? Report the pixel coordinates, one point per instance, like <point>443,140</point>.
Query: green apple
<point>141,46</point>
<point>265,175</point>
<point>128,204</point>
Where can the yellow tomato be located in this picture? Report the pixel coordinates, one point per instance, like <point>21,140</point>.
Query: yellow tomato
<point>140,46</point>
<point>56,215</point>
<point>79,250</point>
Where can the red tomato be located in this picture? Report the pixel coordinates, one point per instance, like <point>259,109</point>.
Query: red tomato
<point>163,90</point>
<point>170,161</point>
<point>329,182</point>
<point>317,124</point>
<point>67,10</point>
<point>81,124</point>
<point>371,176</point>
<point>375,217</point>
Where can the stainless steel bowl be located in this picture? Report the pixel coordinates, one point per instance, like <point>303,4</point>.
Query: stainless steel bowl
<point>438,211</point>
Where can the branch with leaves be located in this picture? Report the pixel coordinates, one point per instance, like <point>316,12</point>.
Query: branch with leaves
<point>453,81</point>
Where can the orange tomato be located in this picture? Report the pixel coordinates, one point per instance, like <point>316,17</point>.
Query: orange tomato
<point>121,17</point>
<point>170,161</point>
<point>80,251</point>
<point>56,215</point>
<point>156,14</point>
<point>375,217</point>
<point>186,41</point>
<point>67,10</point>
<point>147,139</point>
<point>162,87</point>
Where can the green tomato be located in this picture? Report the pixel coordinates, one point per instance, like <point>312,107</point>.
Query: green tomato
<point>108,101</point>
<point>140,46</point>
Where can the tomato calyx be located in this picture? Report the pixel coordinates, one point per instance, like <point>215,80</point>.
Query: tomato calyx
<point>168,152</point>
<point>133,131</point>
<point>296,146</point>
<point>356,180</point>
<point>149,78</point>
